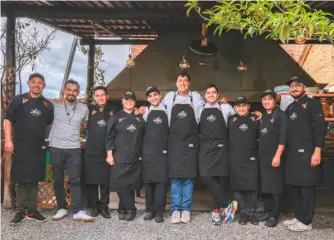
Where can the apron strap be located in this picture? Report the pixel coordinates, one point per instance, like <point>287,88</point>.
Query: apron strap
<point>190,95</point>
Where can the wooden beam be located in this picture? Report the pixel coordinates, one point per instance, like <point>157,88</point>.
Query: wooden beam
<point>52,24</point>
<point>117,42</point>
<point>90,69</point>
<point>106,29</point>
<point>325,42</point>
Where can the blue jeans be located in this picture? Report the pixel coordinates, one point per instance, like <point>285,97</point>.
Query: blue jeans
<point>182,194</point>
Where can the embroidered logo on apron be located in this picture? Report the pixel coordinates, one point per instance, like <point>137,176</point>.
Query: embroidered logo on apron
<point>157,120</point>
<point>293,116</point>
<point>131,128</point>
<point>182,114</point>
<point>243,127</point>
<point>101,123</point>
<point>211,118</point>
<point>264,131</point>
<point>35,112</point>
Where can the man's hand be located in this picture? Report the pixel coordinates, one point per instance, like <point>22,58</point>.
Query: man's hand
<point>110,160</point>
<point>316,159</point>
<point>259,115</point>
<point>276,162</point>
<point>9,147</point>
<point>224,100</point>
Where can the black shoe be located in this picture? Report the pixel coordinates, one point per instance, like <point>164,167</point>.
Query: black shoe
<point>18,218</point>
<point>94,212</point>
<point>243,219</point>
<point>271,222</point>
<point>159,218</point>
<point>121,215</point>
<point>253,220</point>
<point>263,217</point>
<point>149,216</point>
<point>35,215</point>
<point>105,212</point>
<point>130,215</point>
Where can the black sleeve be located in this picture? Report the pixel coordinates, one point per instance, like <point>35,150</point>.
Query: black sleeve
<point>282,127</point>
<point>52,114</point>
<point>318,123</point>
<point>11,111</point>
<point>111,133</point>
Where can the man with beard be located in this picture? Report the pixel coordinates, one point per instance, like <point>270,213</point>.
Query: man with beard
<point>125,132</point>
<point>65,152</point>
<point>306,136</point>
<point>96,170</point>
<point>25,123</point>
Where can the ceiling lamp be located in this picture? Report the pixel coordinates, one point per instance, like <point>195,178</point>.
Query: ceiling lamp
<point>129,62</point>
<point>242,67</point>
<point>184,65</point>
<point>203,47</point>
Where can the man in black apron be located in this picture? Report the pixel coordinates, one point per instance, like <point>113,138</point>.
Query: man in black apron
<point>96,169</point>
<point>272,140</point>
<point>25,123</point>
<point>213,156</point>
<point>154,164</point>
<point>183,108</point>
<point>125,132</point>
<point>244,163</point>
<point>306,135</point>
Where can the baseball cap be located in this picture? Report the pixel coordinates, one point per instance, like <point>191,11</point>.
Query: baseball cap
<point>152,89</point>
<point>240,100</point>
<point>295,79</point>
<point>129,95</point>
<point>269,92</point>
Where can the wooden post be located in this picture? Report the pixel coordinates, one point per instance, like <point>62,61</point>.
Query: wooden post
<point>8,92</point>
<point>90,70</point>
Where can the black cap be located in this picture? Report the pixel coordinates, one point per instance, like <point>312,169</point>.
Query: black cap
<point>241,100</point>
<point>152,89</point>
<point>129,95</point>
<point>295,79</point>
<point>269,92</point>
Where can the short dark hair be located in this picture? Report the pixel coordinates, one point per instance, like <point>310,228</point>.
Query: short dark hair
<point>184,74</point>
<point>211,86</point>
<point>36,75</point>
<point>101,88</point>
<point>71,81</point>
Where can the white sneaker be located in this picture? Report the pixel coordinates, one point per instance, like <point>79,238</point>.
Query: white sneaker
<point>82,216</point>
<point>176,217</point>
<point>300,227</point>
<point>185,218</point>
<point>290,222</point>
<point>61,213</point>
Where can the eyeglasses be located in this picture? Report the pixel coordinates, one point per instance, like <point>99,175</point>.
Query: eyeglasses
<point>297,85</point>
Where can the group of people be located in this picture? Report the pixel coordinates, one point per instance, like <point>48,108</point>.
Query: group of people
<point>173,141</point>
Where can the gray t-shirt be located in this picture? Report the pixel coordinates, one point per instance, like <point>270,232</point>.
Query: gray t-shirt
<point>65,131</point>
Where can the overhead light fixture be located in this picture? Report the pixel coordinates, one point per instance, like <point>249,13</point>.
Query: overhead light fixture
<point>129,62</point>
<point>184,65</point>
<point>242,67</point>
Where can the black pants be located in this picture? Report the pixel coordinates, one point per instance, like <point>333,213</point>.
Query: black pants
<point>272,204</point>
<point>93,196</point>
<point>155,197</point>
<point>246,201</point>
<point>304,203</point>
<point>216,187</point>
<point>26,196</point>
<point>69,159</point>
<point>126,201</point>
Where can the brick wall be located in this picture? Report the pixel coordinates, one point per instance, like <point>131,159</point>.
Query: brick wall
<point>136,50</point>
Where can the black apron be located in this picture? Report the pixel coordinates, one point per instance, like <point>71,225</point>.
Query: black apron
<point>125,175</point>
<point>155,161</point>
<point>96,169</point>
<point>271,178</point>
<point>213,155</point>
<point>244,163</point>
<point>28,162</point>
<point>183,141</point>
<point>300,147</point>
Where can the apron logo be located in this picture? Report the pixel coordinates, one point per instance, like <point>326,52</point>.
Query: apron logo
<point>304,105</point>
<point>182,114</point>
<point>243,127</point>
<point>211,118</point>
<point>35,112</point>
<point>293,116</point>
<point>235,119</point>
<point>157,120</point>
<point>264,131</point>
<point>93,112</point>
<point>191,145</point>
<point>131,128</point>
<point>101,123</point>
<point>24,100</point>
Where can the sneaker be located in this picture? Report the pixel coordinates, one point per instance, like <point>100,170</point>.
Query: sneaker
<point>82,216</point>
<point>185,217</point>
<point>159,218</point>
<point>263,217</point>
<point>230,211</point>
<point>60,214</point>
<point>290,222</point>
<point>130,215</point>
<point>149,216</point>
<point>94,212</point>
<point>36,215</point>
<point>121,215</point>
<point>216,218</point>
<point>300,227</point>
<point>253,220</point>
<point>17,219</point>
<point>271,222</point>
<point>243,219</point>
<point>176,217</point>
